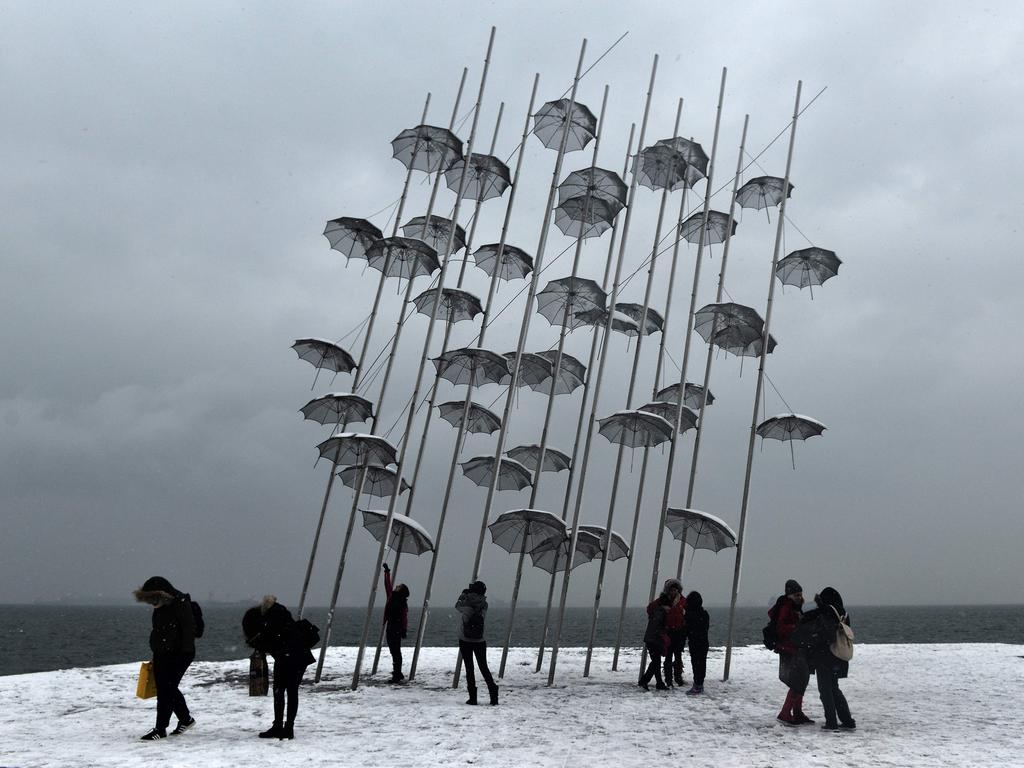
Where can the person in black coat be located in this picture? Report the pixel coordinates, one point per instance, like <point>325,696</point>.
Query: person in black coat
<point>270,628</point>
<point>173,643</point>
<point>472,606</point>
<point>817,634</point>
<point>697,624</point>
<point>656,640</point>
<point>396,622</point>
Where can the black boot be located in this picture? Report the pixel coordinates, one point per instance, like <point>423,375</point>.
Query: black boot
<point>288,732</point>
<point>667,671</point>
<point>472,694</point>
<point>273,732</point>
<point>678,670</point>
<point>493,690</point>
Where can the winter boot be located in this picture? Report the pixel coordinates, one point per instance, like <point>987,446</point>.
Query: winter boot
<point>799,718</point>
<point>273,732</point>
<point>472,694</point>
<point>397,677</point>
<point>678,674</point>
<point>493,690</point>
<point>183,726</point>
<point>786,713</point>
<point>288,732</point>
<point>667,672</point>
<point>696,690</point>
<point>155,734</point>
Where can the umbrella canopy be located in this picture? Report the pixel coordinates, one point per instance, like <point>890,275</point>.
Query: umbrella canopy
<point>699,529</point>
<point>718,225</point>
<point>807,267</point>
<point>659,166</point>
<point>636,429</point>
<point>567,296</point>
<point>521,530</point>
<point>514,263</point>
<point>653,321</point>
<point>351,237</point>
<point>692,397</point>
<point>667,411</point>
<point>617,546</point>
<point>599,317</point>
<point>571,373</point>
<point>552,554</point>
<point>479,420</point>
<point>456,304</point>
<point>338,407</point>
<point>512,476</point>
<point>436,234</point>
<point>534,369</point>
<point>487,177</point>
<point>762,192</point>
<point>529,455</point>
<point>693,155</point>
<point>579,217</point>
<point>741,343</point>
<point>402,257</point>
<point>554,117</point>
<point>470,365</point>
<point>321,353</point>
<point>406,534</point>
<point>426,148</point>
<point>358,449</point>
<point>603,185</point>
<point>718,317</point>
<point>790,426</point>
<point>379,482</point>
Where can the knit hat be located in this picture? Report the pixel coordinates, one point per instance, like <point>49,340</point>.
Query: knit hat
<point>792,587</point>
<point>672,584</point>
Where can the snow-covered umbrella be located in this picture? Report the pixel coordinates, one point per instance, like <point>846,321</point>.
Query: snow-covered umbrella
<point>338,407</point>
<point>571,373</point>
<point>636,429</point>
<point>715,232</point>
<point>699,529</point>
<point>358,449</point>
<point>788,427</point>
<point>762,192</point>
<point>534,369</point>
<point>606,186</point>
<point>402,257</point>
<point>321,353</point>
<point>653,321</point>
<point>436,234</point>
<point>529,455</point>
<point>566,297</point>
<point>521,530</point>
<point>406,534</point>
<point>479,420</point>
<point>599,317</point>
<point>515,263</point>
<point>379,481</point>
<point>667,411</point>
<point>351,237</point>
<point>617,546</point>
<point>552,554</point>
<point>471,365</point>
<point>426,148</point>
<point>808,267</point>
<point>512,476</point>
<point>554,118</point>
<point>692,397</point>
<point>456,305</point>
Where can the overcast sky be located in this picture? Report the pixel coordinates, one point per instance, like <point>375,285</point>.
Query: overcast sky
<point>167,172</point>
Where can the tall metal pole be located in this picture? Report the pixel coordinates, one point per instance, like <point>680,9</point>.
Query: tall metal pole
<point>597,386</point>
<point>556,368</point>
<point>419,374</point>
<point>641,332</point>
<point>461,428</point>
<point>757,392</point>
<point>476,208</point>
<point>674,443</point>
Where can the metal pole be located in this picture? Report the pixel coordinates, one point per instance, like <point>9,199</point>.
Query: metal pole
<point>476,208</point>
<point>757,392</point>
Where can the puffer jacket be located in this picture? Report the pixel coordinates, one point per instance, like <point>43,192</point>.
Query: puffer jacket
<point>270,628</point>
<point>174,632</point>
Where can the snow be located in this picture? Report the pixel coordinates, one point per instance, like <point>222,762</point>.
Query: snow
<point>915,705</point>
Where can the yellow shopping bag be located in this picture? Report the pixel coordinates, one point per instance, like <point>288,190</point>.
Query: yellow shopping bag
<point>146,689</point>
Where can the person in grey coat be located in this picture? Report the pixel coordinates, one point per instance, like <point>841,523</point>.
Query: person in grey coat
<point>472,605</point>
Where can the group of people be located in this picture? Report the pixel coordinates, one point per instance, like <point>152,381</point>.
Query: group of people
<point>804,643</point>
<point>673,622</point>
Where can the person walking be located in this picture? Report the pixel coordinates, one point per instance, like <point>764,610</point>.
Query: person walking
<point>173,643</point>
<point>675,628</point>
<point>697,624</point>
<point>793,667</point>
<point>472,605</point>
<point>396,622</point>
<point>656,641</point>
<point>270,628</point>
<point>821,625</point>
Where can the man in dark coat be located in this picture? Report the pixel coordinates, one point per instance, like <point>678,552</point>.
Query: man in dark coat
<point>697,625</point>
<point>817,633</point>
<point>396,622</point>
<point>793,667</point>
<point>269,627</point>
<point>472,605</point>
<point>173,643</point>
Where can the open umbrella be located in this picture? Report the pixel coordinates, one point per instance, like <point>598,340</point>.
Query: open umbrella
<point>435,234</point>
<point>479,420</point>
<point>693,155</point>
<point>721,317</point>
<point>534,369</point>
<point>552,554</point>
<point>406,534</point>
<point>740,342</point>
<point>617,546</point>
<point>321,353</point>
<point>603,185</point>
<point>379,481</point>
<point>426,148</point>
<point>699,529</point>
<point>667,411</point>
<point>456,305</point>
<point>762,192</point>
<point>487,177</point>
<point>554,117</point>
<point>335,408</point>
<point>692,397</point>
<point>523,529</point>
<point>512,476</point>
<point>636,429</point>
<point>528,455</point>
<point>351,237</point>
<point>653,321</point>
<point>571,373</point>
<point>659,166</point>
<point>788,427</point>
<point>807,268</point>
<point>579,217</point>
<point>718,225</point>
<point>514,263</point>
<point>358,449</point>
<point>402,257</point>
<point>567,296</point>
<point>599,317</point>
<point>471,365</point>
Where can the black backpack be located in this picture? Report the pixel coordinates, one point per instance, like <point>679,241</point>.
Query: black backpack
<point>769,635</point>
<point>197,618</point>
<point>308,631</point>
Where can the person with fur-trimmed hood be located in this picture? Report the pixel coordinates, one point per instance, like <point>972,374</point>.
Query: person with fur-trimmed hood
<point>270,628</point>
<point>396,622</point>
<point>173,643</point>
<point>794,670</point>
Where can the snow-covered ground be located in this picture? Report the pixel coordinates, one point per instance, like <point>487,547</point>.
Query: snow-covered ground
<point>915,705</point>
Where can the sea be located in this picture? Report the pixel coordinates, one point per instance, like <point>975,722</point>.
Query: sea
<point>39,638</point>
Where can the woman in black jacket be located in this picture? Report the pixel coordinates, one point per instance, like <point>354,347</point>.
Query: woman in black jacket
<point>173,642</point>
<point>697,624</point>
<point>819,630</point>
<point>269,627</point>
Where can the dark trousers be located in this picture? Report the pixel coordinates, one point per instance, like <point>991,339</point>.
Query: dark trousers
<point>395,646</point>
<point>699,662</point>
<point>655,651</point>
<point>287,676</point>
<point>833,702</point>
<point>479,650</point>
<point>674,659</point>
<point>168,671</point>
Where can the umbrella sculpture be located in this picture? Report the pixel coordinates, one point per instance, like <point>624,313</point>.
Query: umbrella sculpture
<point>808,267</point>
<point>426,148</point>
<point>567,296</point>
<point>790,427</point>
<point>437,233</point>
<point>358,449</point>
<point>692,397</point>
<point>406,534</point>
<point>738,342</point>
<point>699,529</point>
<point>554,118</point>
<point>653,321</point>
<point>726,317</point>
<point>599,317</point>
<point>603,185</point>
<point>667,411</point>
<point>379,482</point>
<point>402,257</point>
<point>469,365</point>
<point>534,369</point>
<point>515,263</point>
<point>487,177</point>
<point>659,166</point>
<point>529,455</point>
<point>552,554</point>
<point>479,420</point>
<point>636,428</point>
<point>577,217</point>
<point>456,305</point>
<point>715,232</point>
<point>512,476</point>
<point>693,155</point>
<point>617,547</point>
<point>335,408</point>
<point>321,353</point>
<point>762,192</point>
<point>351,237</point>
<point>571,373</point>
